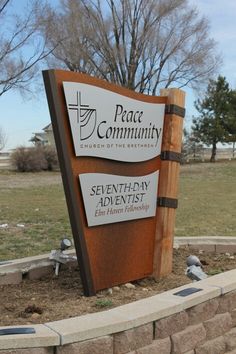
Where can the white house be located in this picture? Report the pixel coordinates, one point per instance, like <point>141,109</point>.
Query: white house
<point>44,138</point>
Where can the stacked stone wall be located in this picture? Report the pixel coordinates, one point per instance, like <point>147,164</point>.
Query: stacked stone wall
<point>207,328</point>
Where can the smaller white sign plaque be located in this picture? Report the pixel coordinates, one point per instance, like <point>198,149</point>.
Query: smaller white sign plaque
<point>112,198</point>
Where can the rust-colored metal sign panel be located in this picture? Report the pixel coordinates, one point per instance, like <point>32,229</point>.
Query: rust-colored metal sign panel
<point>109,142</point>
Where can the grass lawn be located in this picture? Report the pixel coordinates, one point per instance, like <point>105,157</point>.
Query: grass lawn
<point>36,201</point>
<point>34,207</point>
<point>207,200</point>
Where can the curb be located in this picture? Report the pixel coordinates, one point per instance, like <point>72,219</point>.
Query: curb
<point>218,244</point>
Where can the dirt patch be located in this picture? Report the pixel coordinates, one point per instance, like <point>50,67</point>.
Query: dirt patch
<point>53,298</point>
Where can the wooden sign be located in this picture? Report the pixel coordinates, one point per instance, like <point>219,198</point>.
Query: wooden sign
<point>109,142</point>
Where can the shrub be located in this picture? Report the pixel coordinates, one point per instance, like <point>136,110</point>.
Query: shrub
<point>50,156</point>
<point>34,159</point>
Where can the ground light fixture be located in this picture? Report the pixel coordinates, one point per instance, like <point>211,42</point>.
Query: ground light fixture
<point>65,244</point>
<point>17,330</point>
<point>59,257</point>
<point>194,269</point>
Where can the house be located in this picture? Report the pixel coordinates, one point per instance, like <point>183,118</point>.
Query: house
<point>44,138</point>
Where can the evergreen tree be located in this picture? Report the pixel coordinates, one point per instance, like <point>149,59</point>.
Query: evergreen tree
<point>230,124</point>
<point>211,127</point>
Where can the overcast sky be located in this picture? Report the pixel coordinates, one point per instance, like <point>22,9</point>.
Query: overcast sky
<point>21,118</point>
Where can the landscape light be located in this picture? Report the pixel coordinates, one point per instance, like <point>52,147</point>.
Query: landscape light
<point>59,257</point>
<point>194,269</point>
<point>65,244</point>
<point>193,260</point>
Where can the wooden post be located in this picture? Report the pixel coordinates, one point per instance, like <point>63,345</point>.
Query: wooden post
<point>168,182</point>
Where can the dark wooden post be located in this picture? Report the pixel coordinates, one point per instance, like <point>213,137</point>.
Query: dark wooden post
<point>168,181</point>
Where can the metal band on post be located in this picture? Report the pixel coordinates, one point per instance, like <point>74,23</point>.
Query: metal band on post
<point>167,202</point>
<point>174,109</point>
<point>171,156</point>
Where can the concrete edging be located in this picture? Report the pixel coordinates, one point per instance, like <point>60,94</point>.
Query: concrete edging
<point>213,243</point>
<point>219,244</point>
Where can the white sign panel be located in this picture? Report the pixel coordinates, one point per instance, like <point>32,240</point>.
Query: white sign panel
<point>112,126</point>
<point>111,198</point>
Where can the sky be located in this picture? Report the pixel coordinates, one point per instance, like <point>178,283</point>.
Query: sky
<point>21,117</point>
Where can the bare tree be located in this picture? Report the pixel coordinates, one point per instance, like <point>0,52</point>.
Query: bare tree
<point>21,47</point>
<point>3,139</point>
<point>139,44</point>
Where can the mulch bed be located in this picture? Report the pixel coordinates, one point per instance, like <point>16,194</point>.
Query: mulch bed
<point>53,298</point>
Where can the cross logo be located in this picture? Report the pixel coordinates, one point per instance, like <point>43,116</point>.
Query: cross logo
<point>86,117</point>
